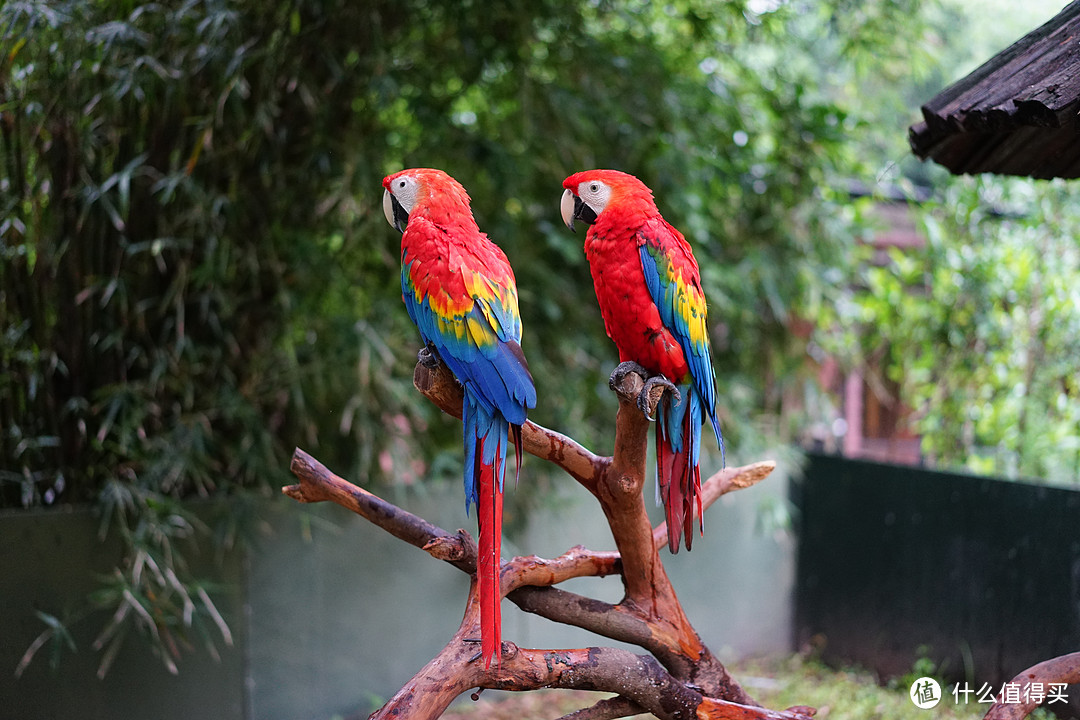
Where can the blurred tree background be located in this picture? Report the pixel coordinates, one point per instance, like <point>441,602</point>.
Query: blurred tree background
<point>196,276</point>
<point>981,329</point>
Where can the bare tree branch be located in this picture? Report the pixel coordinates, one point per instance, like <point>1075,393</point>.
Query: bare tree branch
<point>440,387</point>
<point>638,678</point>
<point>597,616</point>
<point>682,678</point>
<point>607,709</point>
<point>318,484</point>
<point>578,561</point>
<point>1064,669</point>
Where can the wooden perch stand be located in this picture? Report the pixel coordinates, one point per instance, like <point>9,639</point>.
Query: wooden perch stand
<point>1064,670</point>
<point>678,679</point>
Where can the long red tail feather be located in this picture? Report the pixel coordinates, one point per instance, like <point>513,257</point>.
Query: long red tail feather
<point>489,564</point>
<point>680,486</point>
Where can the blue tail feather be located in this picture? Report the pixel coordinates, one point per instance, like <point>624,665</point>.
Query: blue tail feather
<point>480,424</point>
<point>678,476</point>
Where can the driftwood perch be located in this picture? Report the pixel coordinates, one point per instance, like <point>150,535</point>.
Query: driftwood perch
<point>679,678</point>
<point>1063,670</point>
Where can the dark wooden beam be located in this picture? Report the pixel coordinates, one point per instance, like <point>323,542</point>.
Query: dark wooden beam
<point>1014,115</point>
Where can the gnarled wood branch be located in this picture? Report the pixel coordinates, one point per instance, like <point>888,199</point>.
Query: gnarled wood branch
<point>1060,670</point>
<point>440,387</point>
<point>318,484</point>
<point>680,680</point>
<point>639,680</point>
<point>606,709</point>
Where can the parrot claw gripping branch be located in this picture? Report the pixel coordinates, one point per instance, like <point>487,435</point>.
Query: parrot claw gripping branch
<point>678,677</point>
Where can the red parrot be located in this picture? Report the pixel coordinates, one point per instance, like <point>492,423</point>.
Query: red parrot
<point>460,292</point>
<point>649,290</point>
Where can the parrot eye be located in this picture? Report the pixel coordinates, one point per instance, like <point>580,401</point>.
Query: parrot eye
<point>406,189</point>
<point>399,200</point>
<point>595,194</point>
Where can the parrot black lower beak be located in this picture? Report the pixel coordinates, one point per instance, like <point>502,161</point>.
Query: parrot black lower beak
<point>401,218</point>
<point>583,212</point>
<point>573,208</point>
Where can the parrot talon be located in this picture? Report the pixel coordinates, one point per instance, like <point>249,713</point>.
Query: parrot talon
<point>429,356</point>
<point>622,370</point>
<point>657,386</point>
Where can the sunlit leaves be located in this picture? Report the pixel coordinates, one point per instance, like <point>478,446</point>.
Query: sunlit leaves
<point>982,327</point>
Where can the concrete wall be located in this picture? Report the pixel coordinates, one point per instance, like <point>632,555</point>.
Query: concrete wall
<point>49,561</point>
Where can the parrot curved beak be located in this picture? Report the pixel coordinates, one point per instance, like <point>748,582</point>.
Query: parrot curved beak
<point>567,207</point>
<point>574,208</point>
<point>393,212</point>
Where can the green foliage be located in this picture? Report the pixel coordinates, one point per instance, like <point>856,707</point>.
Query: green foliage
<point>853,694</point>
<point>982,328</point>
<point>168,328</point>
<point>196,275</point>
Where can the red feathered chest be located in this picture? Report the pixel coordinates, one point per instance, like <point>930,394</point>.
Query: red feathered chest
<point>630,316</point>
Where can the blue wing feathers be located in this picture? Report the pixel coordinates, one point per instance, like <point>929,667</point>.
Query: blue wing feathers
<point>497,384</point>
<point>652,278</point>
<point>664,295</point>
<point>497,370</point>
<point>469,426</point>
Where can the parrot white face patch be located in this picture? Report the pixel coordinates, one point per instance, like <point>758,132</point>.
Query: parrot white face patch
<point>405,189</point>
<point>595,194</point>
<point>399,200</point>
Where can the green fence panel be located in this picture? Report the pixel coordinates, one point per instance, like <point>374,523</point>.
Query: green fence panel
<point>899,563</point>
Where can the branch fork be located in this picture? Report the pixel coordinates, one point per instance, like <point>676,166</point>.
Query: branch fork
<point>678,679</point>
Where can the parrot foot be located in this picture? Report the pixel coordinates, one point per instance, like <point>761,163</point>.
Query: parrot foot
<point>653,393</point>
<point>506,649</point>
<point>622,370</point>
<point>429,356</point>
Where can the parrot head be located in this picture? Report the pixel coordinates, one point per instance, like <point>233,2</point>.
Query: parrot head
<point>422,190</point>
<point>590,192</point>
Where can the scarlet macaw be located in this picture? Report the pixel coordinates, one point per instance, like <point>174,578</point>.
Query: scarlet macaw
<point>649,290</point>
<point>459,290</point>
